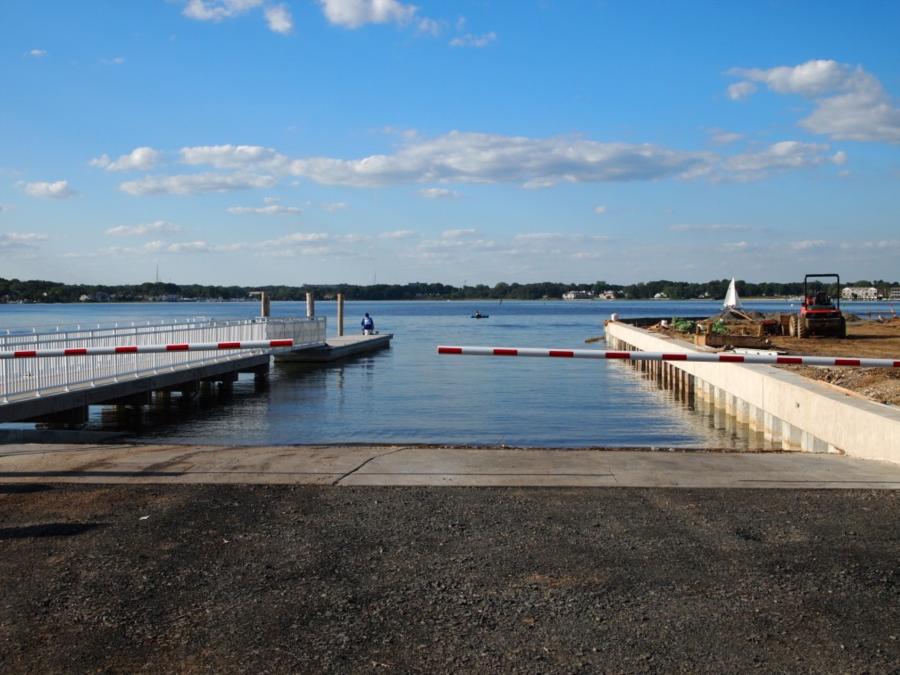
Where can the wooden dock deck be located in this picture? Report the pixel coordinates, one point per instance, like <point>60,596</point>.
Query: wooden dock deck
<point>336,348</point>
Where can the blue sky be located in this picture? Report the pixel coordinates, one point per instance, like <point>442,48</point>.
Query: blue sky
<point>324,141</point>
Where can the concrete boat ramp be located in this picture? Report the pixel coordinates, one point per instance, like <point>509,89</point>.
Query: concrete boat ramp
<point>406,465</point>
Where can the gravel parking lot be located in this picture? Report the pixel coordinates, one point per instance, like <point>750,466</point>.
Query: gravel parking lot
<point>217,578</point>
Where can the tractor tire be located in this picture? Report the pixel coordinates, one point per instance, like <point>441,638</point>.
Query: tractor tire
<point>792,326</point>
<point>842,331</point>
<point>802,328</point>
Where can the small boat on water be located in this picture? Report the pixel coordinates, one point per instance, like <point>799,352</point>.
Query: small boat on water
<point>479,315</point>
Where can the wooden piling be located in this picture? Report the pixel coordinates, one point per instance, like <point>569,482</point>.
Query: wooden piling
<point>340,314</point>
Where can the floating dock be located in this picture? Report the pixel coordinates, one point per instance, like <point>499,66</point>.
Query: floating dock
<point>336,348</point>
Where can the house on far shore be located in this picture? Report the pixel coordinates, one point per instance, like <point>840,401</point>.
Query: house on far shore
<point>859,293</point>
<point>895,293</point>
<point>578,295</point>
<point>660,296</point>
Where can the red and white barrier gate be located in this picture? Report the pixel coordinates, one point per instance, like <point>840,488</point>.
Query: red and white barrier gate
<point>146,349</point>
<point>702,357</point>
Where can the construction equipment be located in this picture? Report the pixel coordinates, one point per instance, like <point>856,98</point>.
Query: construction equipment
<point>820,314</point>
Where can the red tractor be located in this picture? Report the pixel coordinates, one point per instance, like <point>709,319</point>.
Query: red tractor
<point>820,314</point>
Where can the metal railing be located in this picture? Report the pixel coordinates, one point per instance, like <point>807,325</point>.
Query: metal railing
<point>23,378</point>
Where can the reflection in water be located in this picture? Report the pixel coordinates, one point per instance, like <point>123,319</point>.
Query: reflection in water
<point>700,412</point>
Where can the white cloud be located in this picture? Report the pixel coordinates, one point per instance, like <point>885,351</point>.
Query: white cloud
<point>459,233</point>
<point>881,245</point>
<point>279,19</point>
<point>812,78</point>
<point>315,243</point>
<point>37,53</point>
<point>270,210</point>
<point>739,246</point>
<point>486,158</point>
<point>708,227</point>
<point>397,234</point>
<point>782,155</point>
<point>331,207</point>
<point>470,40</point>
<point>319,251</point>
<point>600,210</point>
<point>561,247</point>
<point>192,184</point>
<point>352,238</point>
<point>721,137</point>
<point>469,157</point>
<point>839,158</point>
<point>295,238</point>
<point>453,249</point>
<point>218,10</point>
<point>438,193</point>
<point>808,244</point>
<point>741,90</point>
<point>155,227</point>
<point>114,61</point>
<point>159,247</point>
<point>10,240</point>
<point>355,13</point>
<point>429,26</point>
<point>541,238</point>
<point>233,157</point>
<point>851,104</point>
<point>57,190</point>
<point>138,159</point>
<point>200,247</point>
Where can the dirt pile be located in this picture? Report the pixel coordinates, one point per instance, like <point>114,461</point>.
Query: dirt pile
<point>875,339</point>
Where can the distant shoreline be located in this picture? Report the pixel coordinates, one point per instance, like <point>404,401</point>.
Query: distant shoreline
<point>52,292</point>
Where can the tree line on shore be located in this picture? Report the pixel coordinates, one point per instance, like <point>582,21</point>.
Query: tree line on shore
<point>14,290</point>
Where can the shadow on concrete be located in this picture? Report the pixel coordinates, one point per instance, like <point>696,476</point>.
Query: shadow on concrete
<point>85,474</point>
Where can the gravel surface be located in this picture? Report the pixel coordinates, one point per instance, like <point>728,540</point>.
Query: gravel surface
<point>311,579</point>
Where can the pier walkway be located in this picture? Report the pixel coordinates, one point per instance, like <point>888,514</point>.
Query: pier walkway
<point>60,388</point>
<point>337,348</point>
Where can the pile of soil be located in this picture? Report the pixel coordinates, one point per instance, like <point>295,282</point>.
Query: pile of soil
<point>865,338</point>
<point>874,339</point>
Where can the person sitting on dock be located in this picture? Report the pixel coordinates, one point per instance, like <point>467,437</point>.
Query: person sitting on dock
<point>368,325</point>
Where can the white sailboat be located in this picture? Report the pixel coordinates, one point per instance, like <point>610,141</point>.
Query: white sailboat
<point>732,301</point>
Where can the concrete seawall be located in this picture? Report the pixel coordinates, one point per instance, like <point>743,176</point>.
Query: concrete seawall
<point>790,411</point>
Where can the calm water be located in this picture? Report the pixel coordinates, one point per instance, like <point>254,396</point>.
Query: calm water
<point>410,394</point>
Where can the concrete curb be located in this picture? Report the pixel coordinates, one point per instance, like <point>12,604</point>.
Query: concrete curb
<point>434,466</point>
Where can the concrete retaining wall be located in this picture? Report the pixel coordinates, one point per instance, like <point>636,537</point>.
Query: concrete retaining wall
<point>789,410</point>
